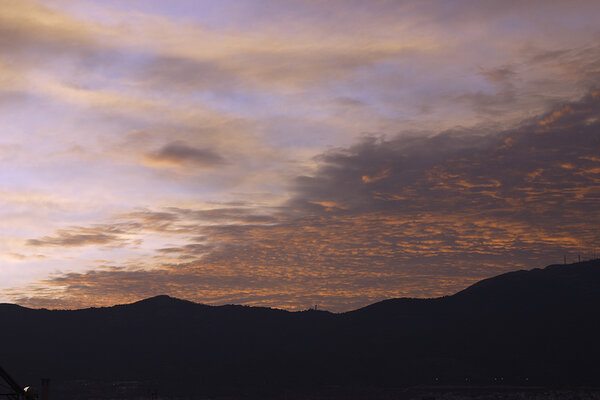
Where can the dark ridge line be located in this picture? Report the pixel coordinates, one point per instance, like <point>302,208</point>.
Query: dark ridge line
<point>164,299</point>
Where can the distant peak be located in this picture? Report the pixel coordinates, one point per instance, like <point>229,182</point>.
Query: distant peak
<point>161,299</point>
<point>10,305</point>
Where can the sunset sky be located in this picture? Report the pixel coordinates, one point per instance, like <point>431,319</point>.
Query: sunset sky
<point>292,153</point>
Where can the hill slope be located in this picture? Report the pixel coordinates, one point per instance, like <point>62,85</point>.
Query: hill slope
<point>539,326</point>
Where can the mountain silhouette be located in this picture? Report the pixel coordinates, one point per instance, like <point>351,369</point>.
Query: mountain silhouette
<point>537,327</point>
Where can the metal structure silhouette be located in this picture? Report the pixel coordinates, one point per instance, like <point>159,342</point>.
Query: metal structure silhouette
<point>11,390</point>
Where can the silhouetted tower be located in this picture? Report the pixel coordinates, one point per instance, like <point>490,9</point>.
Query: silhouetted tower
<point>45,389</point>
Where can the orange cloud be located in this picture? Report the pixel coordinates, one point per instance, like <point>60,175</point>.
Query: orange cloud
<point>330,205</point>
<point>555,115</point>
<point>377,177</point>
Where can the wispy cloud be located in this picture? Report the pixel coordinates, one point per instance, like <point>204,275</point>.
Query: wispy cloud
<point>83,236</point>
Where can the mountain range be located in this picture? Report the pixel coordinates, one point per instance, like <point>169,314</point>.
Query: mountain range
<point>536,327</point>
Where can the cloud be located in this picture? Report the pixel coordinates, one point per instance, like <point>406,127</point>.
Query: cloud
<point>377,177</point>
<point>28,24</point>
<point>498,74</point>
<point>436,214</point>
<point>136,66</point>
<point>292,288</point>
<point>65,239</point>
<point>233,104</point>
<point>187,74</point>
<point>86,236</point>
<point>180,154</point>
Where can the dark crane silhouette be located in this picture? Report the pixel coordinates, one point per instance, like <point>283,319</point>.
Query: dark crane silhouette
<point>16,392</point>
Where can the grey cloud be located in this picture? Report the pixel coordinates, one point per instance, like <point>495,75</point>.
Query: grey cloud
<point>491,103</point>
<point>158,221</point>
<point>399,162</point>
<point>580,61</point>
<point>174,221</point>
<point>181,154</point>
<point>229,214</point>
<point>261,67</point>
<point>498,74</point>
<point>106,234</point>
<point>349,102</point>
<point>188,251</point>
<point>542,56</point>
<point>545,173</point>
<point>66,239</point>
<point>173,218</point>
<point>186,74</point>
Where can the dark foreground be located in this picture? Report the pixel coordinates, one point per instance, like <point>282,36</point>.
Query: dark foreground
<point>518,332</point>
<point>432,392</point>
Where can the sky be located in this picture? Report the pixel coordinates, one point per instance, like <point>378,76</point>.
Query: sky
<point>292,153</point>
